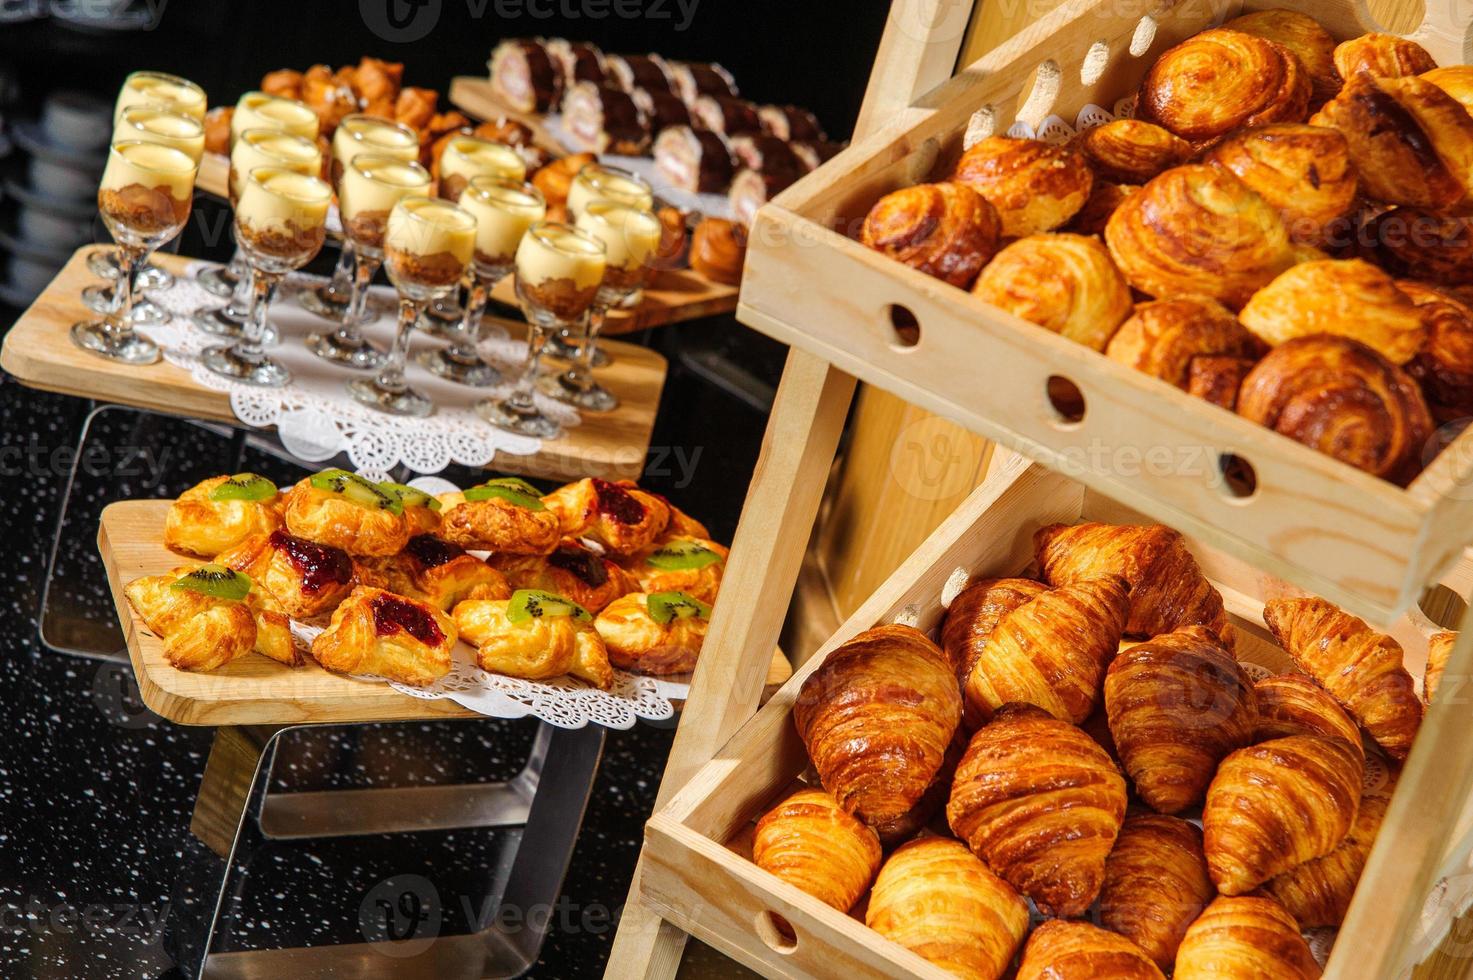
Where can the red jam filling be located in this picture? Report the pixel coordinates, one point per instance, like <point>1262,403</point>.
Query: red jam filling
<point>392,614</point>
<point>432,552</point>
<point>583,564</point>
<point>320,565</point>
<point>617,503</point>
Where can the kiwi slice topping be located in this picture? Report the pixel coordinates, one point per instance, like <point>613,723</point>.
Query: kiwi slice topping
<point>528,604</point>
<point>410,496</point>
<point>358,489</point>
<point>510,489</point>
<point>215,581</point>
<point>244,486</point>
<point>665,606</point>
<point>681,556</point>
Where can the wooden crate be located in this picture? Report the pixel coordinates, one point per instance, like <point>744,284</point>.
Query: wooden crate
<point>1326,526</point>
<point>697,874</point>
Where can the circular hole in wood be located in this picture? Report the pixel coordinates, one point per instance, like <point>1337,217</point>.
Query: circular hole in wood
<point>1145,33</point>
<point>1065,398</point>
<point>907,328</point>
<point>1095,60</point>
<point>776,932</point>
<point>1239,479</point>
<point>1443,606</point>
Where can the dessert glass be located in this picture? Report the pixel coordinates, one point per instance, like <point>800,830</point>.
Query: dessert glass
<point>257,110</point>
<point>370,187</point>
<point>157,88</point>
<point>504,210</point>
<point>558,272</point>
<point>144,199</point>
<point>428,245</point>
<point>280,223</point>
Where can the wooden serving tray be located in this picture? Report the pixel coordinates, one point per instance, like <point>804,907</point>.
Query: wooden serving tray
<point>1326,526</point>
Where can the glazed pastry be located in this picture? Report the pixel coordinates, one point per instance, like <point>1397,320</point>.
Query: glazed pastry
<point>1245,937</point>
<point>201,630</point>
<point>305,578</point>
<point>1063,950</point>
<point>693,80</point>
<point>620,516</point>
<point>681,524</point>
<point>346,511</point>
<point>1131,151</point>
<point>1035,186</point>
<point>554,179</point>
<point>1156,884</point>
<point>1164,337</point>
<point>877,717</point>
<point>695,160</point>
<point>1051,651</point>
<point>512,132</point>
<point>810,842</point>
<point>1167,588</point>
<point>661,109</point>
<point>421,510</point>
<point>975,613</point>
<point>1177,704</point>
<point>725,114</point>
<point>1439,648</point>
<point>945,230</point>
<point>681,563</point>
<point>1455,80</point>
<point>1104,199</point>
<point>1276,805</point>
<point>220,513</point>
<point>1217,379</point>
<point>1318,892</point>
<point>1344,399</point>
<point>1382,56</point>
<point>524,76</point>
<point>670,253</point>
<point>588,578</point>
<point>536,636</point>
<point>1361,668</point>
<point>1198,230</point>
<point>603,118</point>
<point>937,900</point>
<point>502,515</point>
<point>1292,704</point>
<point>1444,365</point>
<point>1412,243</point>
<point>1062,282</point>
<point>1305,37</point>
<point>442,574</point>
<point>718,250</point>
<point>1221,80</point>
<point>654,632</point>
<point>1341,297</point>
<point>386,635</point>
<point>1304,172</point>
<point>791,123</point>
<point>632,71</point>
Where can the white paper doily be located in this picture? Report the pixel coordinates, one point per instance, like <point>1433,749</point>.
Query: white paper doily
<point>1053,129</point>
<point>315,416</point>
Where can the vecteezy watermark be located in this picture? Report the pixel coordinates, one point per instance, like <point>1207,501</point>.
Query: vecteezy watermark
<point>94,918</point>
<point>407,21</point>
<point>97,460</point>
<point>107,11</point>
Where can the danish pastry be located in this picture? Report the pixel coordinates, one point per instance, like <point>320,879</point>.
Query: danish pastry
<point>571,570</point>
<point>1439,648</point>
<point>421,510</point>
<point>1305,37</point>
<point>718,250</point>
<point>1381,56</point>
<point>1062,282</point>
<point>654,632</point>
<point>944,230</point>
<point>305,578</point>
<point>619,516</point>
<point>1455,80</point>
<point>220,513</point>
<point>202,630</point>
<point>1292,704</point>
<point>1318,892</point>
<point>433,570</point>
<point>810,842</point>
<point>1156,884</point>
<point>681,563</point>
<point>1245,937</point>
<point>346,511</point>
<point>1131,151</point>
<point>1304,172</point>
<point>1340,297</point>
<point>377,632</point>
<point>535,635</point>
<point>1217,379</point>
<point>1444,365</point>
<point>1064,950</point>
<point>274,630</point>
<point>504,515</point>
<point>1103,201</point>
<point>1035,186</point>
<point>1413,243</point>
<point>1165,337</point>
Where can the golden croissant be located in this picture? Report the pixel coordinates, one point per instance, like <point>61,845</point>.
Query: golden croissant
<point>1318,892</point>
<point>1156,884</point>
<point>1341,297</point>
<point>1292,704</point>
<point>1245,937</point>
<point>1444,365</point>
<point>1165,337</point>
<point>1361,668</point>
<point>1063,950</point>
<point>1439,648</point>
<point>975,613</point>
<point>1276,805</point>
<point>949,231</point>
<point>1383,56</point>
<point>1304,172</point>
<point>1305,37</point>
<point>1221,80</point>
<point>877,717</point>
<point>1131,151</point>
<point>810,842</point>
<point>1063,282</point>
<point>1041,803</point>
<point>1035,186</point>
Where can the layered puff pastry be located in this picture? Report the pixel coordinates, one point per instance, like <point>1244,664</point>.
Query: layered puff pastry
<point>1444,365</point>
<point>1292,704</point>
<point>1381,56</point>
<point>1166,337</point>
<point>499,524</point>
<point>536,647</point>
<point>1302,171</point>
<point>1439,648</point>
<point>1131,151</point>
<point>620,516</point>
<point>305,578</point>
<point>1455,80</point>
<point>387,635</point>
<point>975,613</point>
<point>812,843</point>
<point>640,642</point>
<point>1318,892</point>
<point>1156,884</point>
<point>1245,937</point>
<point>1035,186</point>
<point>681,563</point>
<point>1104,200</point>
<point>338,521</point>
<point>1414,243</point>
<point>204,632</point>
<point>198,525</point>
<point>588,578</point>
<point>946,230</point>
<point>1341,297</point>
<point>935,898</point>
<point>1063,282</point>
<point>436,571</point>
<point>1065,950</point>
<point>1305,37</point>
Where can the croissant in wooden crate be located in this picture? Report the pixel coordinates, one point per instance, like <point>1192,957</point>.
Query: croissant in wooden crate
<point>1439,648</point>
<point>1361,668</point>
<point>1217,378</point>
<point>1156,884</point>
<point>1131,151</point>
<point>1302,35</point>
<point>1245,937</point>
<point>1276,805</point>
<point>1164,337</point>
<point>945,230</point>
<point>940,902</point>
<point>1035,186</point>
<point>1103,201</point>
<point>1062,950</point>
<point>1343,297</point>
<point>1292,704</point>
<point>1318,892</point>
<point>1063,282</point>
<point>1413,243</point>
<point>975,613</point>
<point>1444,365</point>
<point>1177,704</point>
<point>1455,80</point>
<point>1302,171</point>
<point>810,842</point>
<point>1041,802</point>
<point>877,717</point>
<point>1383,56</point>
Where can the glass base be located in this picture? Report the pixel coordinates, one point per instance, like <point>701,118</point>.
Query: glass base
<point>146,313</point>
<point>217,281</point>
<point>442,365</point>
<point>264,373</point>
<point>130,348</point>
<point>361,355</point>
<point>564,351</point>
<point>436,326</point>
<point>404,402</point>
<point>324,302</point>
<point>221,324</point>
<point>503,415</point>
<point>103,263</point>
<point>595,398</point>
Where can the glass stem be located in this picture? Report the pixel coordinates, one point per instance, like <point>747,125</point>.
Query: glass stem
<point>263,291</point>
<point>520,398</point>
<point>363,269</point>
<point>391,378</point>
<point>341,287</point>
<point>463,351</point>
<point>130,261</point>
<point>580,373</point>
<point>240,301</point>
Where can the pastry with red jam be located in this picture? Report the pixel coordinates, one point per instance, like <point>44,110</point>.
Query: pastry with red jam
<point>505,515</point>
<point>581,574</point>
<point>620,517</point>
<point>306,579</point>
<point>385,635</point>
<point>436,571</point>
<point>535,635</point>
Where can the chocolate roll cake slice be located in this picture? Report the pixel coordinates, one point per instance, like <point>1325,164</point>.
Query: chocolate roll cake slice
<point>579,61</point>
<point>815,154</point>
<point>696,160</point>
<point>693,80</point>
<point>768,166</point>
<point>791,123</point>
<point>632,71</point>
<point>726,115</point>
<point>524,76</point>
<point>661,109</point>
<point>604,119</point>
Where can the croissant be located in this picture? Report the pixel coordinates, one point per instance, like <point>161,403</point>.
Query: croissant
<point>1341,297</point>
<point>1035,186</point>
<point>1304,172</point>
<point>1041,803</point>
<point>1156,884</point>
<point>974,614</point>
<point>1051,651</point>
<point>1305,37</point>
<point>1177,704</point>
<point>1439,648</point>
<point>1318,892</point>
<point>1221,80</point>
<point>1061,950</point>
<point>1167,588</point>
<point>718,250</point>
<point>1362,669</point>
<point>937,900</point>
<point>1164,337</point>
<point>945,230</point>
<point>555,179</point>
<point>1245,937</point>
<point>810,842</point>
<point>1342,398</point>
<point>1455,80</point>
<point>1217,379</point>
<point>1382,55</point>
<point>1292,704</point>
<point>1062,282</point>
<point>1198,230</point>
<point>877,717</point>
<point>1444,365</point>
<point>1412,243</point>
<point>1103,201</point>
<point>1131,151</point>
<point>1410,141</point>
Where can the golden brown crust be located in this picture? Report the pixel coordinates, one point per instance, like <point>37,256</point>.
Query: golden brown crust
<point>1217,379</point>
<point>1041,803</point>
<point>1292,704</point>
<point>975,612</point>
<point>1131,151</point>
<point>1361,668</point>
<point>1413,243</point>
<point>368,635</point>
<point>334,520</point>
<point>700,583</point>
<point>536,648</point>
<point>573,571</point>
<point>1455,80</point>
<point>810,842</point>
<point>1062,950</point>
<point>1439,648</point>
<point>718,250</point>
<point>944,230</point>
<point>1245,937</point>
<point>637,643</point>
<point>1342,297</point>
<point>1382,56</point>
<point>448,577</point>
<point>1035,186</point>
<point>1063,282</point>
<point>1164,337</point>
<point>499,525</point>
<point>1103,201</point>
<point>554,179</point>
<point>274,630</point>
<point>1156,884</point>
<point>306,582</point>
<point>1444,365</point>
<point>1302,171</point>
<point>877,717</point>
<point>197,525</point>
<point>1302,35</point>
<point>200,632</point>
<point>620,516</point>
<point>1318,892</point>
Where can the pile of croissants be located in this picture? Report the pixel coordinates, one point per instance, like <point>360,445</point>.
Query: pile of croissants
<point>1065,732</point>
<point>1282,229</point>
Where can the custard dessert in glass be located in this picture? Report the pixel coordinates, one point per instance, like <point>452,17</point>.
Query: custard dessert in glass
<point>257,110</point>
<point>160,89</point>
<point>600,182</point>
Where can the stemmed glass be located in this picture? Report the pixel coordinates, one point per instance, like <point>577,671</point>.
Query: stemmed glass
<point>504,210</point>
<point>280,223</point>
<point>427,247</point>
<point>630,237</point>
<point>355,134</point>
<point>559,269</point>
<point>370,187</point>
<point>145,198</point>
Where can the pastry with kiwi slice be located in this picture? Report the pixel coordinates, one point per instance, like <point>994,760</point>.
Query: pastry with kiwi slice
<point>347,511</point>
<point>505,515</point>
<point>681,564</point>
<point>379,633</point>
<point>201,613</point>
<point>620,517</point>
<point>654,632</point>
<point>307,580</point>
<point>588,578</point>
<point>221,512</point>
<point>535,635</point>
<point>421,509</point>
<point>439,572</point>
